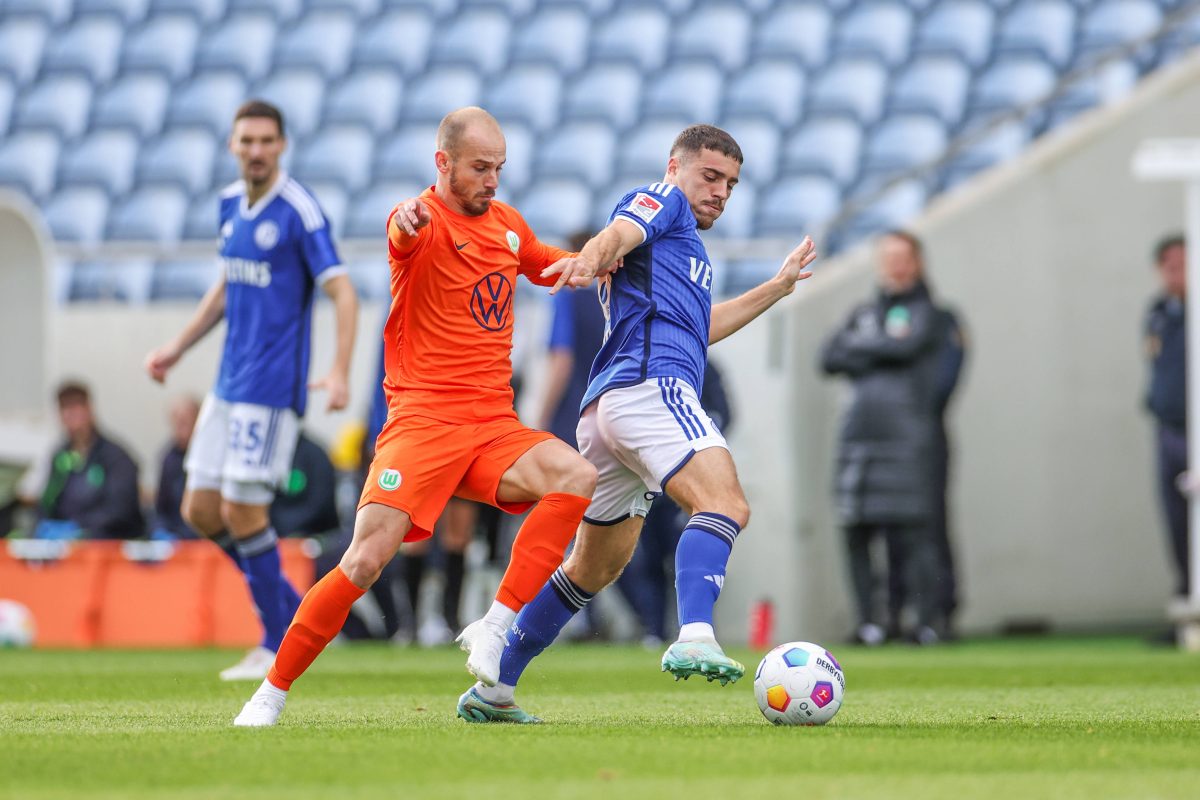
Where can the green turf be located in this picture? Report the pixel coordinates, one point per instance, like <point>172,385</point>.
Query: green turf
<point>1094,718</point>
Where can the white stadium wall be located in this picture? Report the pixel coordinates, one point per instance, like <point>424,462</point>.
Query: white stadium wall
<point>24,256</point>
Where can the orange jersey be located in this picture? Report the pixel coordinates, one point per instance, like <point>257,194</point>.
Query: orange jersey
<point>448,338</point>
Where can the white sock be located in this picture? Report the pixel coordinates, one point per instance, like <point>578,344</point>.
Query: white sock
<point>697,632</point>
<point>271,689</point>
<point>501,694</point>
<point>500,616</point>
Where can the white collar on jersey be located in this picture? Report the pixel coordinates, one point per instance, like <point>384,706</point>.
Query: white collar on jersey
<point>250,212</point>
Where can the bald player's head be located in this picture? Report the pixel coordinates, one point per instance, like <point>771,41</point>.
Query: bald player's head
<point>465,124</point>
<point>470,154</point>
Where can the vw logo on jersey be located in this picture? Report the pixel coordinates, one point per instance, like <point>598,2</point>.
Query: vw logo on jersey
<point>266,235</point>
<point>491,301</point>
<point>514,241</point>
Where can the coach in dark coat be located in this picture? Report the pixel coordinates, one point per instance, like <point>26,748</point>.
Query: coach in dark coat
<point>889,348</point>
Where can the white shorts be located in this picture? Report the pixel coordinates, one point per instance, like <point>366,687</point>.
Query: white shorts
<point>244,450</point>
<point>637,438</point>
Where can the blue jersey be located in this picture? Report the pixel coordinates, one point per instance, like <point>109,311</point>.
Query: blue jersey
<point>272,256</point>
<point>659,303</point>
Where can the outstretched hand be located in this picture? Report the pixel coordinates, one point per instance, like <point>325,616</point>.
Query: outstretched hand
<point>572,271</point>
<point>412,215</point>
<point>795,266</point>
<point>160,360</point>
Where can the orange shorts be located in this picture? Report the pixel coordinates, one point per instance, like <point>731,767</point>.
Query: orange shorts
<point>420,463</point>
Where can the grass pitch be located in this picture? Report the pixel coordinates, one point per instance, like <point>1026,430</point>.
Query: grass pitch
<point>1062,718</point>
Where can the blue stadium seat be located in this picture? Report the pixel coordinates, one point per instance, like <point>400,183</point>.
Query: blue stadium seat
<point>363,9</point>
<point>177,280</point>
<point>1011,82</point>
<point>829,146</point>
<point>210,100</point>
<point>1181,39</point>
<point>853,86</point>
<point>772,89</point>
<point>894,209</point>
<point>440,9</point>
<point>375,45</point>
<point>129,11</point>
<point>137,102</point>
<point>204,11</point>
<point>878,28</point>
<point>1110,82</point>
<point>514,9</point>
<point>606,200</point>
<point>556,36</point>
<point>478,39</point>
<point>299,94</point>
<point>282,11</point>
<point>28,160</point>
<point>242,43</point>
<point>737,220</point>
<point>8,94</point>
<point>639,36</point>
<point>105,158</point>
<point>408,155</point>
<point>439,92</point>
<point>183,156</point>
<point>611,92</point>
<point>369,212</point>
<point>22,40</point>
<point>645,149</point>
<point>166,43</point>
<point>334,202</point>
<point>54,11</point>
<point>340,154</point>
<point>123,281</point>
<point>153,213</point>
<point>904,141</point>
<point>200,221</point>
<point>796,30</point>
<point>995,147</point>
<point>691,90</point>
<point>369,97</point>
<point>596,8</point>
<point>77,214</point>
<point>322,41</point>
<point>91,46</point>
<point>1117,22</point>
<point>580,150</point>
<point>556,209</point>
<point>718,32</point>
<point>797,206</point>
<point>520,146</point>
<point>932,85</point>
<point>759,142</point>
<point>962,28</point>
<point>530,94</point>
<point>60,103</point>
<point>1040,27</point>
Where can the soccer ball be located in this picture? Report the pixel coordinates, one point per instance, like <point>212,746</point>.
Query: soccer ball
<point>799,683</point>
<point>16,624</point>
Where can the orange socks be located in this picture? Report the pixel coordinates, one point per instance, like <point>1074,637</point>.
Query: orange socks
<point>319,618</point>
<point>539,547</point>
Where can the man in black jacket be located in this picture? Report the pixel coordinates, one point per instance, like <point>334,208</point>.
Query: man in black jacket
<point>93,482</point>
<point>889,349</point>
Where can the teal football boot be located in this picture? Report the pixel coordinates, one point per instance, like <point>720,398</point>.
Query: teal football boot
<point>474,708</point>
<point>684,659</point>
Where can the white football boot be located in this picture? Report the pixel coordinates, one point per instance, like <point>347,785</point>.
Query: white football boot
<point>253,666</point>
<point>485,643</point>
<point>263,708</point>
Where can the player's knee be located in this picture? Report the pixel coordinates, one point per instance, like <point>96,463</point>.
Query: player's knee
<point>241,520</point>
<point>740,513</point>
<point>204,518</point>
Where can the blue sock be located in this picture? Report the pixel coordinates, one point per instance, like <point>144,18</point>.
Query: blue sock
<point>539,622</point>
<point>700,561</point>
<point>260,554</point>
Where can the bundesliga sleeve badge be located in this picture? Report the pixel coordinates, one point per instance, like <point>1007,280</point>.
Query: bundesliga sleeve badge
<point>644,207</point>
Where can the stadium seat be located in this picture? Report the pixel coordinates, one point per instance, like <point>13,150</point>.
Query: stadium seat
<point>183,280</point>
<point>1044,28</point>
<point>136,102</point>
<point>962,28</point>
<point>520,145</point>
<point>530,94</point>
<point>439,92</point>
<point>368,97</point>
<point>1012,82</point>
<point>340,154</point>
<point>720,33</point>
<point>78,214</point>
<point>556,209</point>
<point>581,150</point>
<point>153,213</point>
<point>639,36</point>
<point>375,44</point>
<point>321,41</point>
<point>1108,83</point>
<point>556,36</point>
<point>209,100</point>
<point>932,85</point>
<point>242,43</point>
<point>8,94</point>
<point>759,142</point>
<point>129,11</point>
<point>691,90</point>
<point>105,158</point>
<point>183,156</point>
<point>996,146</point>
<point>369,212</point>
<point>282,11</point>
<point>408,155</point>
<point>123,281</point>
<point>772,89</point>
<point>850,86</point>
<point>298,93</point>
<point>91,46</point>
<point>56,12</point>
<point>1181,39</point>
<point>797,206</point>
<point>606,200</point>
<point>478,38</point>
<point>893,209</point>
<point>363,9</point>
<point>334,202</point>
<point>904,141</point>
<point>22,40</point>
<point>645,149</point>
<point>796,30</point>
<point>1116,22</point>
<point>166,43</point>
<point>440,9</point>
<point>200,222</point>
<point>878,28</point>
<point>203,11</point>
<point>28,160</point>
<point>60,103</point>
<point>829,146</point>
<point>737,220</point>
<point>612,93</point>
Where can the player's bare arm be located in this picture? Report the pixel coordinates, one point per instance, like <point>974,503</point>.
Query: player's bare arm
<point>601,255</point>
<point>345,305</point>
<point>732,315</point>
<point>210,311</point>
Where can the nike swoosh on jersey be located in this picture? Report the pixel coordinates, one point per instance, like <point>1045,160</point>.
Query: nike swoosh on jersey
<point>458,246</point>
